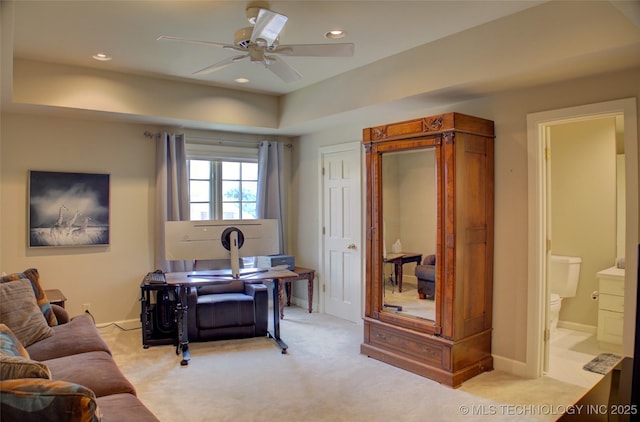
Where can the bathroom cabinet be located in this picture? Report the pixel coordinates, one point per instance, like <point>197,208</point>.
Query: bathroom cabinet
<point>610,305</point>
<point>454,344</point>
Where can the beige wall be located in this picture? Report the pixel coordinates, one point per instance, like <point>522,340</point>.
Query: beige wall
<point>509,112</point>
<point>583,207</point>
<point>108,277</point>
<point>169,102</point>
<point>418,202</point>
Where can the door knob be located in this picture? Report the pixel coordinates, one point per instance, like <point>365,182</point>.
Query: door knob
<point>351,246</point>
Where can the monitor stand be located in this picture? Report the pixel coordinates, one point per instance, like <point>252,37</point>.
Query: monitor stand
<point>235,256</point>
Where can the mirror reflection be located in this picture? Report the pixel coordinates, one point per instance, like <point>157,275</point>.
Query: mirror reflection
<point>409,213</point>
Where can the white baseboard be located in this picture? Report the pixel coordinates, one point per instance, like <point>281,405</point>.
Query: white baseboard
<point>591,329</point>
<point>298,301</point>
<point>129,324</point>
<point>513,367</point>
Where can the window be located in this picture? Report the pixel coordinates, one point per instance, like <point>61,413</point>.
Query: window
<point>222,189</point>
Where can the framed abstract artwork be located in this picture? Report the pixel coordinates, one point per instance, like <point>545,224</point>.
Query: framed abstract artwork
<point>68,209</point>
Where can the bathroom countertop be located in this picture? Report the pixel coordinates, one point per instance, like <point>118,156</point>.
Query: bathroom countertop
<point>612,272</point>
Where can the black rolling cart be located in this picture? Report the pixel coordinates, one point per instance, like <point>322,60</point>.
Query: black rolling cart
<point>158,314</point>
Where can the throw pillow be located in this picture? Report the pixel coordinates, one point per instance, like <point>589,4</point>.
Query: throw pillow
<point>10,345</point>
<point>41,297</point>
<point>21,313</point>
<point>38,400</point>
<point>17,367</point>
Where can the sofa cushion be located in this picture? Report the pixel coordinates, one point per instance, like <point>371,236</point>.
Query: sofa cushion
<point>16,367</point>
<point>10,345</point>
<point>41,297</point>
<point>20,312</point>
<point>124,407</point>
<point>37,400</point>
<point>43,301</point>
<point>225,310</point>
<point>79,335</point>
<point>94,370</point>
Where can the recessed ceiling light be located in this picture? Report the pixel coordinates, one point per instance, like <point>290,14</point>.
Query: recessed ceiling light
<point>335,34</point>
<point>241,80</point>
<point>102,57</point>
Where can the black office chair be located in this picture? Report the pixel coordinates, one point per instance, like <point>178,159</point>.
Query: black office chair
<point>237,309</point>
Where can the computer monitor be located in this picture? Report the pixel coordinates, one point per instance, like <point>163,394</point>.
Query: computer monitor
<point>221,239</point>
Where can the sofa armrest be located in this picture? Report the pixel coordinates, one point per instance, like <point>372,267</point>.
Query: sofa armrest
<point>61,314</point>
<point>36,399</point>
<point>425,272</point>
<point>429,260</point>
<point>253,289</point>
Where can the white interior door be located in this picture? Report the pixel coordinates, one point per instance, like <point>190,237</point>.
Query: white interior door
<point>341,278</point>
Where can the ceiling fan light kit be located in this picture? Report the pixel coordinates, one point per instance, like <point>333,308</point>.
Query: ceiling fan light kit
<point>242,37</point>
<point>252,14</point>
<point>254,42</point>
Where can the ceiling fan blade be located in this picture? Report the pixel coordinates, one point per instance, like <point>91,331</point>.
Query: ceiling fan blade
<point>190,41</point>
<point>316,50</point>
<point>220,65</point>
<point>268,26</point>
<point>282,69</point>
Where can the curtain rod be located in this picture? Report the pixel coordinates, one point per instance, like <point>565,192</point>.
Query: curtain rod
<point>211,141</point>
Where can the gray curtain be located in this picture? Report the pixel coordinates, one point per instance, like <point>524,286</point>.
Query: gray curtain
<point>271,193</point>
<point>172,199</point>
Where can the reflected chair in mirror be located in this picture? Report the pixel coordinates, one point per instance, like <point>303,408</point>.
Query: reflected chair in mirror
<point>426,274</point>
<point>238,309</point>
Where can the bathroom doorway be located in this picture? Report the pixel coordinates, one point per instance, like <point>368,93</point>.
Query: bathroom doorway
<point>541,126</point>
<point>581,160</point>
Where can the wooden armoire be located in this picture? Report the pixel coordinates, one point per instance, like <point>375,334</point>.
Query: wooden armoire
<point>453,342</point>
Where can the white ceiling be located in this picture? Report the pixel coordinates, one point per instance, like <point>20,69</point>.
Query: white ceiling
<point>71,32</point>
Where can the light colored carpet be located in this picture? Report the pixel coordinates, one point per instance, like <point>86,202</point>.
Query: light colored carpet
<point>322,378</point>
<point>408,299</point>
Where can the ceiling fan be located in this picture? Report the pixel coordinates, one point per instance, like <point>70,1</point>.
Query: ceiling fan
<point>260,44</point>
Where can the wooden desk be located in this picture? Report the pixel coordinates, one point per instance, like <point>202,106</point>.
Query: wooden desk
<point>302,274</point>
<point>55,297</point>
<point>398,260</point>
<point>183,281</point>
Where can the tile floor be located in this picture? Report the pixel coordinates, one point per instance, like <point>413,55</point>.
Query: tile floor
<point>569,351</point>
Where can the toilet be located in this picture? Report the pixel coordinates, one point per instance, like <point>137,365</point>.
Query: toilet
<point>564,272</point>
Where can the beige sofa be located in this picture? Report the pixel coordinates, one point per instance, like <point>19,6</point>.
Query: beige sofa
<point>54,368</point>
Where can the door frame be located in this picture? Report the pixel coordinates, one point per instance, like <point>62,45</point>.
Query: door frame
<point>322,151</point>
<point>537,128</point>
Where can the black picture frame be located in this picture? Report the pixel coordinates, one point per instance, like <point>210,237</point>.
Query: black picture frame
<point>68,209</point>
